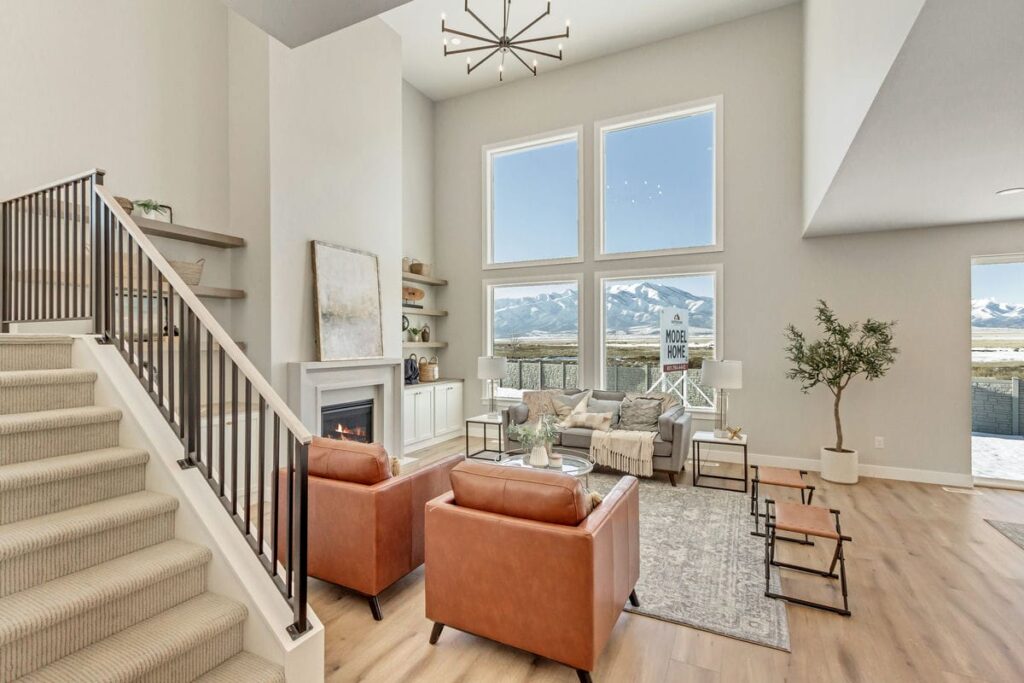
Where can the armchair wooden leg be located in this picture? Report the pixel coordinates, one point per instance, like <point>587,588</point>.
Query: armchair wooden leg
<point>672,478</point>
<point>435,633</point>
<point>584,676</point>
<point>375,608</point>
<point>633,600</point>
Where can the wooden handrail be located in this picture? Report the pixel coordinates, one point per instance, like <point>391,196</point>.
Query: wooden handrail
<point>260,384</point>
<point>65,181</point>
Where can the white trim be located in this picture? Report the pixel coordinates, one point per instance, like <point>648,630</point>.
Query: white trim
<point>865,470</point>
<point>528,280</point>
<point>716,270</point>
<point>574,133</point>
<point>1007,484</point>
<point>715,105</point>
<point>996,259</point>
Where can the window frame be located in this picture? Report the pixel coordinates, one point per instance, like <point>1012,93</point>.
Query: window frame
<point>712,104</point>
<point>716,270</point>
<point>487,154</point>
<point>530,280</point>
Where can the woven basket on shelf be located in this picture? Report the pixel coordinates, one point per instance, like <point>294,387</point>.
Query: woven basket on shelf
<point>429,370</point>
<point>190,272</point>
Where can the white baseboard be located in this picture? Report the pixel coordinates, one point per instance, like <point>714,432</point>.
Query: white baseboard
<point>865,470</point>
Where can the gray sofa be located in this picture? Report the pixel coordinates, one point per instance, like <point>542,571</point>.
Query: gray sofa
<point>671,446</point>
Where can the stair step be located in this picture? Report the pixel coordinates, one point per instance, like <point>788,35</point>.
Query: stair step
<point>34,351</point>
<point>26,391</point>
<point>46,433</point>
<point>177,645</point>
<point>40,487</point>
<point>49,621</point>
<point>244,667</point>
<point>44,548</point>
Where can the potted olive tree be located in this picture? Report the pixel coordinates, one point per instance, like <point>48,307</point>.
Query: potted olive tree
<point>844,352</point>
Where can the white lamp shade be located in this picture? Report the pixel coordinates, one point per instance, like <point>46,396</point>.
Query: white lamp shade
<point>722,374</point>
<point>490,367</point>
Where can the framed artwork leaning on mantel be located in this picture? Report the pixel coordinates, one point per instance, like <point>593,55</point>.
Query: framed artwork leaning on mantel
<point>348,303</point>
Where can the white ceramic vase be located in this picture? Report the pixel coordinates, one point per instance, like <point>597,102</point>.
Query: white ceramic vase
<point>539,456</point>
<point>840,468</point>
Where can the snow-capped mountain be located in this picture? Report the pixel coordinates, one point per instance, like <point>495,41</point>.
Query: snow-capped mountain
<point>992,313</point>
<point>633,308</point>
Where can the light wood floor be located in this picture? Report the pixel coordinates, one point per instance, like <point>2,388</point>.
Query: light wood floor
<point>937,595</point>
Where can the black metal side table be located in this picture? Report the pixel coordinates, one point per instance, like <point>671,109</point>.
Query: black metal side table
<point>486,420</point>
<point>710,439</point>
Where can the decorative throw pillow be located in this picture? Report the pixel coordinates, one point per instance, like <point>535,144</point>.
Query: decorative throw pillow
<point>640,414</point>
<point>566,405</point>
<point>596,405</point>
<point>601,422</point>
<point>539,403</point>
<point>667,400</point>
<point>396,466</point>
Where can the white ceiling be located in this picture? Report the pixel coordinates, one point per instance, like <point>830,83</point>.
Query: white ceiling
<point>599,27</point>
<point>946,130</point>
<point>296,22</point>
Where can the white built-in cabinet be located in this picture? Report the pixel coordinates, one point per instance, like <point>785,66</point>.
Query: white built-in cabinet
<point>431,411</point>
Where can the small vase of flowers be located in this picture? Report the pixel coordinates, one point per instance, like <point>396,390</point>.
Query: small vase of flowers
<point>537,440</point>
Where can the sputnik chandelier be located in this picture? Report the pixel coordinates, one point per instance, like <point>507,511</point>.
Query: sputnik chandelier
<point>493,43</point>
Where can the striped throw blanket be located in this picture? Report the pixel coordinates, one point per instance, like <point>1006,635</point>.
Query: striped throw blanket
<point>625,451</point>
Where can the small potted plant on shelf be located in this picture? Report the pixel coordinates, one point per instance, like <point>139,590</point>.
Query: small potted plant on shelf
<point>153,210</point>
<point>415,333</point>
<point>537,440</point>
<point>845,352</point>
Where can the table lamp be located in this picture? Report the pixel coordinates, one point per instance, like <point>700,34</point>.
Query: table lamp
<point>491,368</point>
<point>722,375</point>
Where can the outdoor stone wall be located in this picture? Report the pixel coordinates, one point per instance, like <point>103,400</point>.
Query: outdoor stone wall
<point>996,406</point>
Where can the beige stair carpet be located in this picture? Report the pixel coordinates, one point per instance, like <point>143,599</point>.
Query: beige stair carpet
<point>93,585</point>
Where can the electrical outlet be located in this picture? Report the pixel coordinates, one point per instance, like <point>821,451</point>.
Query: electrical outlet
<point>879,442</point>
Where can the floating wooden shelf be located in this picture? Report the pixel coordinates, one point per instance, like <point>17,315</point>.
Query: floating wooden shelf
<point>218,292</point>
<point>423,279</point>
<point>424,311</point>
<point>187,234</point>
<point>425,345</point>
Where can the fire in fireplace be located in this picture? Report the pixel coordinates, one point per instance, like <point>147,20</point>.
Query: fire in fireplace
<point>348,421</point>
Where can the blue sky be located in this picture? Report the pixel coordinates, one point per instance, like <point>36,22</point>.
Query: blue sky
<point>659,181</point>
<point>1001,281</point>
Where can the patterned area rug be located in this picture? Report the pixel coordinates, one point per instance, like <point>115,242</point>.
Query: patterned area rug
<point>699,565</point>
<point>1012,530</point>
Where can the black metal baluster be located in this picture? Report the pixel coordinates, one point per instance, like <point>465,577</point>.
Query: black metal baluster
<point>290,469</point>
<point>51,257</point>
<point>66,252</point>
<point>209,403</point>
<point>152,330</point>
<point>275,459</point>
<point>260,472</point>
<point>234,437</point>
<point>300,530</point>
<point>121,312</point>
<point>81,269</point>
<point>159,332</point>
<point>223,427</point>
<point>248,450</point>
<point>140,294</point>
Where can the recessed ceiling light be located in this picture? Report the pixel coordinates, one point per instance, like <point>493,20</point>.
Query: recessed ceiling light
<point>1009,191</point>
<point>456,41</point>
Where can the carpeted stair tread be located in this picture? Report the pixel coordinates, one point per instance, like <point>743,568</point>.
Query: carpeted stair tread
<point>133,653</point>
<point>41,606</point>
<point>48,530</point>
<point>57,419</point>
<point>36,339</point>
<point>29,378</point>
<point>61,467</point>
<point>246,667</point>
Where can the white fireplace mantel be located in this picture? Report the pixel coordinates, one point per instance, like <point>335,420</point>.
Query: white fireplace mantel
<point>313,384</point>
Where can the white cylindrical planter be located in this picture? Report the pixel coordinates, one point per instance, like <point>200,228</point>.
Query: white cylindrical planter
<point>840,468</point>
<point>539,456</point>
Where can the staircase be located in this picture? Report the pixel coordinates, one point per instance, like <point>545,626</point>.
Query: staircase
<point>93,584</point>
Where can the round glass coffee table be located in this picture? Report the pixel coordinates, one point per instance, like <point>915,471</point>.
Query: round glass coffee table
<point>572,464</point>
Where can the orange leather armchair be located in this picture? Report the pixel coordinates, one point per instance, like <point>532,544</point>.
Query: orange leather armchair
<point>366,526</point>
<point>512,556</point>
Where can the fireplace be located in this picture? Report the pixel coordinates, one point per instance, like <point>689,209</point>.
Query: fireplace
<point>348,421</point>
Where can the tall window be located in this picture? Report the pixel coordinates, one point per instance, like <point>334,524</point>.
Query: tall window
<point>536,325</point>
<point>631,313</point>
<point>658,183</point>
<point>532,200</point>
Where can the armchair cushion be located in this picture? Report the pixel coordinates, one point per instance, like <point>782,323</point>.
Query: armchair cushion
<point>526,494</point>
<point>352,461</point>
